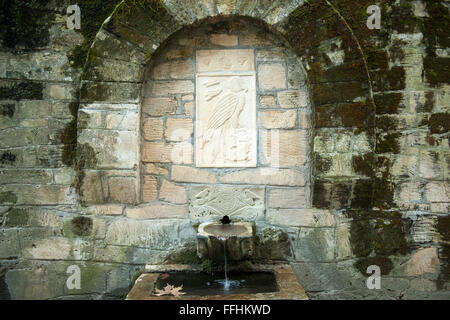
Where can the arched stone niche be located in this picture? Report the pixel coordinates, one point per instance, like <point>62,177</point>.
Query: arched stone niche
<point>225,124</point>
<point>110,171</point>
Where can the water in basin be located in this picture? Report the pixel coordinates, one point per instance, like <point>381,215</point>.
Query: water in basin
<point>225,230</point>
<point>202,284</point>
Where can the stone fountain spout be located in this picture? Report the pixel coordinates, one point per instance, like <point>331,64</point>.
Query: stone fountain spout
<point>236,238</point>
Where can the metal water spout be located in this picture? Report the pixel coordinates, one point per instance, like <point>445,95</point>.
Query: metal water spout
<point>225,220</point>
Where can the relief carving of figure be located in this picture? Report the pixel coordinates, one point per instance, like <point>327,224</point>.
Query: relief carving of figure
<point>224,135</point>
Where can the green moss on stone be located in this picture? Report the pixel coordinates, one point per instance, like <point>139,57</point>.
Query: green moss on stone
<point>435,32</point>
<point>362,194</point>
<point>439,123</point>
<point>363,164</point>
<point>384,263</point>
<point>389,80</point>
<point>377,59</point>
<point>390,238</point>
<point>81,226</point>
<point>388,103</point>
<point>25,24</point>
<point>136,275</point>
<point>322,194</point>
<point>69,139</point>
<point>22,90</point>
<point>7,110</point>
<point>362,237</point>
<point>437,70</point>
<point>17,218</point>
<point>443,227</point>
<point>86,156</point>
<point>322,164</point>
<point>93,14</point>
<point>8,197</point>
<point>185,255</point>
<point>388,143</point>
<point>7,157</point>
<point>383,193</point>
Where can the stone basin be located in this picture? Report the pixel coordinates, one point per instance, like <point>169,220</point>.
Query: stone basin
<point>226,230</point>
<point>236,238</point>
<point>287,285</point>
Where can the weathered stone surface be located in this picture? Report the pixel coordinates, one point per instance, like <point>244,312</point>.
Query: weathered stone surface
<point>272,54</point>
<point>122,189</point>
<point>410,191</point>
<point>172,193</point>
<point>36,283</point>
<point>422,262</point>
<point>164,88</point>
<point>301,217</point>
<point>114,92</point>
<point>271,76</point>
<point>58,249</point>
<point>422,284</point>
<point>284,148</point>
<point>225,60</point>
<point>275,119</point>
<point>180,153</point>
<point>149,188</point>
<point>153,129</point>
<point>189,174</point>
<point>343,244</point>
<point>157,211</point>
<point>305,120</point>
<point>103,69</point>
<point>105,210</point>
<point>150,168</point>
<point>267,176</point>
<point>119,254</point>
<point>437,191</point>
<point>122,147</point>
<point>91,189</point>
<point>292,99</point>
<point>256,39</point>
<point>36,194</point>
<point>9,243</point>
<point>314,244</point>
<point>287,198</point>
<point>15,176</point>
<point>162,234</point>
<point>179,129</point>
<point>159,106</point>
<point>177,69</point>
<point>267,101</point>
<point>189,108</point>
<point>429,166</point>
<point>226,40</point>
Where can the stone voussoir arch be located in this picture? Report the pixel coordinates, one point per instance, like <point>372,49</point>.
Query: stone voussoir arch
<point>108,121</point>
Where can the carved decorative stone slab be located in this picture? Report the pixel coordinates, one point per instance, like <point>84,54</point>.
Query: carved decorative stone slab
<point>226,109</point>
<point>233,201</point>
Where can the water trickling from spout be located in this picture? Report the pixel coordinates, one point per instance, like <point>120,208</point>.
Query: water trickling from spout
<point>226,284</point>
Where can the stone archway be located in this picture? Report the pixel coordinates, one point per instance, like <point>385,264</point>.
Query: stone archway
<point>343,132</point>
<point>127,40</point>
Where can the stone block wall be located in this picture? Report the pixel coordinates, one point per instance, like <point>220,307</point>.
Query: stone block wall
<point>379,144</point>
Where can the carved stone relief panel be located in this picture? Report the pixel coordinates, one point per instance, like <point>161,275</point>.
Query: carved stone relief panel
<point>226,109</point>
<point>233,201</point>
